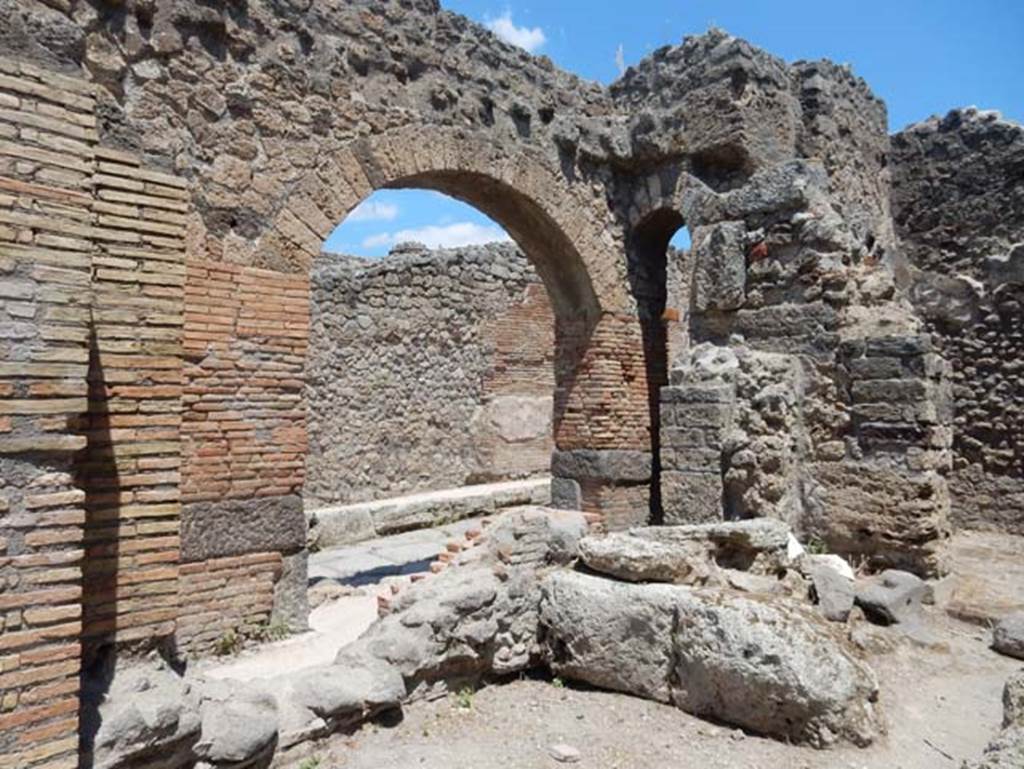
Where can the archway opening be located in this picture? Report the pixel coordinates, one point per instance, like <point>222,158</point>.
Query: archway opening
<point>433,354</point>
<point>658,254</point>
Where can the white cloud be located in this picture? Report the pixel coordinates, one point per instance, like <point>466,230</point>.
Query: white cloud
<point>620,59</point>
<point>434,236</point>
<point>531,39</point>
<point>372,211</point>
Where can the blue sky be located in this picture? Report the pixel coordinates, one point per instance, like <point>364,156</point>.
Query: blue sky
<point>923,58</point>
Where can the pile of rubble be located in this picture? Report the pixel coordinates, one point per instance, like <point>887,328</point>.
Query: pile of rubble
<point>733,621</point>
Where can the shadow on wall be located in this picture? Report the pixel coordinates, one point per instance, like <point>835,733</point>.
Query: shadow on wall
<point>97,474</point>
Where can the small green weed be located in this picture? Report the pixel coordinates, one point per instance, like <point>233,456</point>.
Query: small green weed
<point>815,546</point>
<point>464,698</point>
<point>229,644</point>
<point>312,762</point>
<point>276,630</point>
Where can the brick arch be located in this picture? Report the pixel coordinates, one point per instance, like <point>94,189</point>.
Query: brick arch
<point>560,226</point>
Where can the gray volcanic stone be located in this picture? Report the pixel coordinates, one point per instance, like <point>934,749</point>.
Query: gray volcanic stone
<point>1008,636</point>
<point>773,667</point>
<point>833,592</point>
<point>721,260</point>
<point>239,526</point>
<point>139,713</point>
<point>759,543</point>
<point>239,723</point>
<point>613,465</point>
<point>566,494</point>
<point>635,559</point>
<point>319,700</point>
<point>893,597</point>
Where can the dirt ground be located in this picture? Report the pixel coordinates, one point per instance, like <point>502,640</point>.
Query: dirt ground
<point>941,694</point>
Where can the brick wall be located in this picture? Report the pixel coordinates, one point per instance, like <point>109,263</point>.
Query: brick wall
<point>224,598</point>
<point>131,469</point>
<point>602,403</point>
<point>246,334</point>
<point>601,398</point>
<point>47,226</point>
<point>243,450</point>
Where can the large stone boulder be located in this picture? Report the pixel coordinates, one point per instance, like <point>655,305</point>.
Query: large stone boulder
<point>239,724</point>
<point>138,713</point>
<point>478,617</point>
<point>893,597</point>
<point>832,585</point>
<point>769,666</point>
<point>758,544</point>
<point>318,701</point>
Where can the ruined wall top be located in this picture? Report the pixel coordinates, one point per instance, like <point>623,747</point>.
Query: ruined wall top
<point>246,98</point>
<point>958,196</point>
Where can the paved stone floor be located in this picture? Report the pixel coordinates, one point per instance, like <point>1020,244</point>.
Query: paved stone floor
<point>369,562</point>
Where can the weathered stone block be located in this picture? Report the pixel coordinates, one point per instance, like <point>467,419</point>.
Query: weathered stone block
<point>772,667</point>
<point>691,497</point>
<point>608,465</point>
<point>566,494</point>
<point>239,526</point>
<point>721,266</point>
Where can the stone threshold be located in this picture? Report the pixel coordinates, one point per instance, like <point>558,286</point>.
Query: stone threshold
<point>348,524</point>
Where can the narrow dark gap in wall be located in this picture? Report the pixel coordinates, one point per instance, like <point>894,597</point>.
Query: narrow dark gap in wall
<point>647,253</point>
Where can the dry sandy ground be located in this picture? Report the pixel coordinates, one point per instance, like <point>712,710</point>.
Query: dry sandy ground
<point>942,701</point>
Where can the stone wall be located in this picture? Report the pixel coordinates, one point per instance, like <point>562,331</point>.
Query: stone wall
<point>427,370</point>
<point>958,204</point>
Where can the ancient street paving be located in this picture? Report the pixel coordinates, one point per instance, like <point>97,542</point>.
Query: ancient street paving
<point>367,563</point>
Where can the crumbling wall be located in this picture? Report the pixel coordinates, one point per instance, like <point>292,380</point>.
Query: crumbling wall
<point>163,200</point>
<point>958,204</point>
<point>427,370</point>
<point>809,374</point>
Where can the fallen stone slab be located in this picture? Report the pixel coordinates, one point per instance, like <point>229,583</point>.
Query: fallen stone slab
<point>893,597</point>
<point>766,665</point>
<point>1008,636</point>
<point>832,590</point>
<point>636,559</point>
<point>347,524</point>
<point>758,544</point>
<point>319,701</point>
